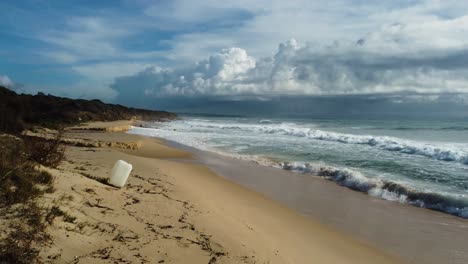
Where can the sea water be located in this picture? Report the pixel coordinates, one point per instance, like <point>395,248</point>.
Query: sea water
<point>418,162</point>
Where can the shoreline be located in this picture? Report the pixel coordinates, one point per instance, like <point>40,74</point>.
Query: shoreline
<point>384,188</point>
<point>171,211</point>
<point>399,229</point>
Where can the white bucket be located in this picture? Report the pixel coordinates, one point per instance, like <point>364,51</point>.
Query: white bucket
<point>119,174</point>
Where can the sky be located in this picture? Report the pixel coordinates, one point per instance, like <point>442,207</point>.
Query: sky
<point>183,54</point>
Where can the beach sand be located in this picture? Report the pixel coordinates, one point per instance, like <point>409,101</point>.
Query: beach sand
<point>415,234</point>
<point>174,211</point>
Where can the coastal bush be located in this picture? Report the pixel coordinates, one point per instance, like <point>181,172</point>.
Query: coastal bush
<point>18,188</point>
<point>18,246</point>
<point>21,184</point>
<point>20,181</point>
<point>16,172</point>
<point>47,152</point>
<point>22,244</point>
<point>10,112</point>
<point>24,111</point>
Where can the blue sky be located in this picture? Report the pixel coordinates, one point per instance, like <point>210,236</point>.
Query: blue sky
<point>134,51</point>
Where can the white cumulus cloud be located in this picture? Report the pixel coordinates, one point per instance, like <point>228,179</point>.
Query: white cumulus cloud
<point>6,82</point>
<point>399,58</point>
<point>222,73</point>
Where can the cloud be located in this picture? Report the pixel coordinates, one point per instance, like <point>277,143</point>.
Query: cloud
<point>84,90</point>
<point>84,38</point>
<point>420,39</point>
<point>397,58</point>
<point>222,73</point>
<point>97,78</point>
<point>187,11</point>
<point>94,38</point>
<point>61,56</point>
<point>158,49</point>
<point>107,72</point>
<point>274,21</point>
<point>6,82</point>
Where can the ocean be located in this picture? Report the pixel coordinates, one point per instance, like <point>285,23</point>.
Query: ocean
<point>418,162</point>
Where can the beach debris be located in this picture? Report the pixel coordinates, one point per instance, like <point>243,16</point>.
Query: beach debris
<point>120,173</point>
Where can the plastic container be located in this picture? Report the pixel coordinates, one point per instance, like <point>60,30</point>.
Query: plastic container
<point>120,173</point>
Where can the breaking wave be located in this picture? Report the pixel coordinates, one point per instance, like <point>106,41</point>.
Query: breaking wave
<point>387,190</point>
<point>439,152</point>
<point>265,121</point>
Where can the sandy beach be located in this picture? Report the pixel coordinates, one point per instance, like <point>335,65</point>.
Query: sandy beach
<point>416,235</point>
<point>211,132</point>
<point>174,211</point>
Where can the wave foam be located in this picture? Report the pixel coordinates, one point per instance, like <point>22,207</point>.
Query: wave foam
<point>439,152</point>
<point>349,178</point>
<point>265,121</point>
<point>387,190</point>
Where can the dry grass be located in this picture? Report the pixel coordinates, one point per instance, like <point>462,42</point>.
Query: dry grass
<point>20,180</point>
<point>49,153</point>
<point>55,212</point>
<point>98,179</point>
<point>28,234</point>
<point>21,185</point>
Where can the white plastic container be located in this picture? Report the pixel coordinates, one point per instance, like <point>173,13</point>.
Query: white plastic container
<point>120,173</point>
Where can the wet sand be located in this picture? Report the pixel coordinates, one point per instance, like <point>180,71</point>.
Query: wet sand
<point>415,234</point>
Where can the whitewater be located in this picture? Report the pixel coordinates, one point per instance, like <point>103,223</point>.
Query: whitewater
<point>419,162</point>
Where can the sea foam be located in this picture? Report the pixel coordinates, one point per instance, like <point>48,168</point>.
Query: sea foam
<point>442,152</point>
<point>392,191</point>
